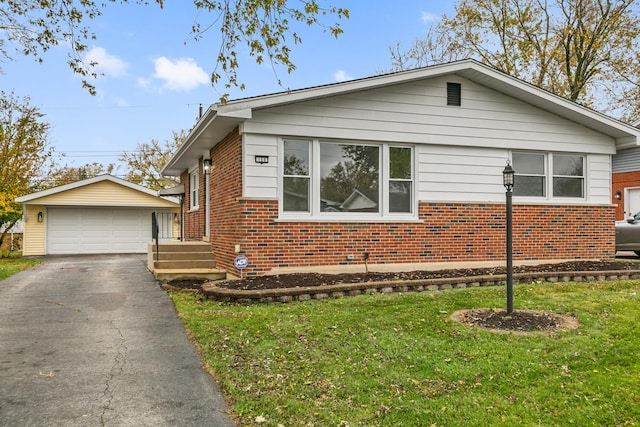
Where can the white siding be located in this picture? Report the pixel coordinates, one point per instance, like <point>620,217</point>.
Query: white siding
<point>447,173</point>
<point>260,181</point>
<point>417,113</point>
<point>460,151</point>
<point>599,178</point>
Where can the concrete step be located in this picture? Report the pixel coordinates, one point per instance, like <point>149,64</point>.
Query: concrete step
<point>183,247</point>
<point>183,264</point>
<point>175,256</point>
<point>193,273</point>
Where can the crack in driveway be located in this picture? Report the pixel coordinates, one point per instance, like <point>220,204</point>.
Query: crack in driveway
<point>116,370</point>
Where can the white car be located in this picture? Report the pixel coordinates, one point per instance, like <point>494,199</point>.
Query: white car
<point>628,234</point>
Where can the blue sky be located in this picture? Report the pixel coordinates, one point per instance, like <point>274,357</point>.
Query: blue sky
<point>154,77</point>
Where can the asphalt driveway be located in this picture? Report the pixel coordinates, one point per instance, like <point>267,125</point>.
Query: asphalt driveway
<point>94,341</point>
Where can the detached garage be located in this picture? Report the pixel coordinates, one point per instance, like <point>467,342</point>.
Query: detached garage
<point>100,215</point>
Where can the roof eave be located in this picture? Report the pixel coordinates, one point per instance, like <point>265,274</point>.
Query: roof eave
<point>208,131</point>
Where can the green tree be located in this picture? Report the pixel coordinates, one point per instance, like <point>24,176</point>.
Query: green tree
<point>25,155</point>
<point>143,165</point>
<point>266,27</point>
<point>583,50</point>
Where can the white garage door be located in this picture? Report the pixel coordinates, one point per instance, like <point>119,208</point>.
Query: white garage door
<point>98,230</point>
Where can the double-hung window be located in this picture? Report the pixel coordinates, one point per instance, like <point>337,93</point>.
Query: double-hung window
<point>296,179</point>
<point>194,184</point>
<point>328,179</point>
<point>543,174</point>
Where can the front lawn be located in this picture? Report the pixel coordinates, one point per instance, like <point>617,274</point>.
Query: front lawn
<point>11,266</point>
<point>398,359</point>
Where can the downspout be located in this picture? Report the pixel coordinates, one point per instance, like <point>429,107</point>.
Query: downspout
<point>206,162</point>
<point>182,217</point>
<point>207,210</point>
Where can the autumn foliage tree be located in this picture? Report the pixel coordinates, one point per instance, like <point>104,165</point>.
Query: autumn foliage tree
<point>25,155</point>
<point>265,29</point>
<point>143,165</point>
<point>68,174</point>
<point>584,50</point>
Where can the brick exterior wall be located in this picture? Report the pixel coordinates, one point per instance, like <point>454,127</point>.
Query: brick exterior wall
<point>193,219</point>
<point>447,231</point>
<point>620,181</point>
<point>450,232</point>
<point>226,190</point>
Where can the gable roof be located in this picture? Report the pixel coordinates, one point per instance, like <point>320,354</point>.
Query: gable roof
<point>34,197</point>
<point>220,119</point>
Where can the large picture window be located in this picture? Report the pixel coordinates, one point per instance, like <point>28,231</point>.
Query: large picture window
<point>349,178</point>
<point>333,179</point>
<point>536,172</point>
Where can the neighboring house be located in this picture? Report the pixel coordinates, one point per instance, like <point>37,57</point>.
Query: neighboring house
<point>17,227</point>
<point>104,214</point>
<point>400,169</point>
<point>626,180</point>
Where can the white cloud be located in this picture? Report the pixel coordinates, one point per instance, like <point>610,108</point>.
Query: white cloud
<point>427,17</point>
<point>180,75</point>
<point>341,76</point>
<point>106,64</point>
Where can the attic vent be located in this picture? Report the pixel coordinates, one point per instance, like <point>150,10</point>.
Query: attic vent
<point>454,91</point>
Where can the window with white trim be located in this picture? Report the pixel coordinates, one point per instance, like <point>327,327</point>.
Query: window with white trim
<point>329,179</point>
<point>541,174</point>
<point>194,185</point>
<point>296,179</point>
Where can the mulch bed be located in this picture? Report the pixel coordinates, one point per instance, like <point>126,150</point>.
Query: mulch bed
<point>283,281</point>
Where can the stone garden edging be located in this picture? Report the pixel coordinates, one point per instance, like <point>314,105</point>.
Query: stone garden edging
<point>307,293</point>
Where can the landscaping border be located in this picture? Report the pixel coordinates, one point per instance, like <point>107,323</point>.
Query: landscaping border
<point>307,293</point>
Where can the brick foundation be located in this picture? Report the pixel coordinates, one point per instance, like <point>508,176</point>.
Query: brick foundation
<point>448,232</point>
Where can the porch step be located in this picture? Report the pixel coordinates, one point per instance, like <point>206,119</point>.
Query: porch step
<point>181,255</point>
<point>183,247</point>
<point>169,264</point>
<point>193,273</point>
<point>183,260</point>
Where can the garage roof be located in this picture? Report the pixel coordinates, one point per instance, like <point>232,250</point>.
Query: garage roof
<point>109,195</point>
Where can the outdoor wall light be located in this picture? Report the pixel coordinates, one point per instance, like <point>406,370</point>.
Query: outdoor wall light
<point>40,216</point>
<point>261,160</point>
<point>206,165</point>
<point>618,195</point>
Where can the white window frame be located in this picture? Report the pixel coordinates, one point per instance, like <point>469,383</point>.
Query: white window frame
<point>315,213</point>
<point>194,188</point>
<point>549,176</point>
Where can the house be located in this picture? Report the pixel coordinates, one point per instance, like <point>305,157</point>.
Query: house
<point>626,180</point>
<point>402,170</point>
<point>104,214</point>
<point>13,240</point>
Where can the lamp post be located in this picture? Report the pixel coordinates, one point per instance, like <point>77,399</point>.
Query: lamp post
<point>507,181</point>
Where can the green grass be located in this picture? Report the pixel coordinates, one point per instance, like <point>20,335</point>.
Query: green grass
<point>13,265</point>
<point>398,360</point>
